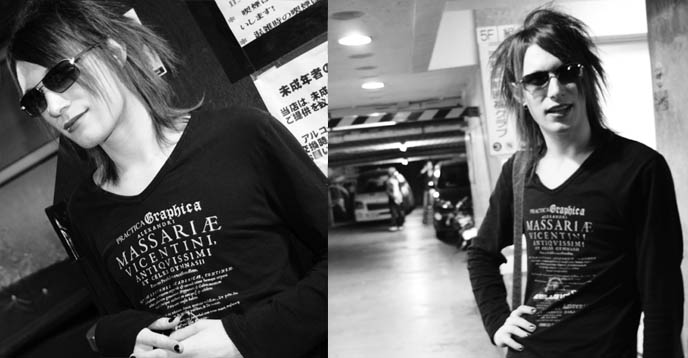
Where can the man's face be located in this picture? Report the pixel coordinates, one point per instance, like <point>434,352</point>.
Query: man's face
<point>78,114</point>
<point>559,106</point>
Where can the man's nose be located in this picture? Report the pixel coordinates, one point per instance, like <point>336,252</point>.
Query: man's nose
<point>56,103</point>
<point>554,87</point>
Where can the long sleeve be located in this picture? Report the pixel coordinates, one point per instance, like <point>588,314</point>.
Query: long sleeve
<point>484,255</point>
<point>659,250</point>
<point>293,322</point>
<point>118,326</point>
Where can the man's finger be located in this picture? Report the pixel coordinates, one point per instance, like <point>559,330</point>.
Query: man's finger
<point>523,323</point>
<point>186,332</point>
<point>517,331</point>
<point>155,353</point>
<point>523,309</point>
<point>165,323</point>
<point>513,344</point>
<point>150,338</point>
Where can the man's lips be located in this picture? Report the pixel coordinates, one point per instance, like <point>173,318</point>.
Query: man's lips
<point>559,108</point>
<point>70,123</point>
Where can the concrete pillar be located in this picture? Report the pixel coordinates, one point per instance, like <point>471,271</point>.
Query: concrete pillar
<point>478,168</point>
<point>667,25</point>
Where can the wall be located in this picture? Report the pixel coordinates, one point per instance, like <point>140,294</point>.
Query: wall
<point>668,38</point>
<point>27,241</point>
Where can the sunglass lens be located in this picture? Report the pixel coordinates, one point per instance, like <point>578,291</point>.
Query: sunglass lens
<point>33,103</point>
<point>536,79</point>
<point>61,77</point>
<point>569,73</point>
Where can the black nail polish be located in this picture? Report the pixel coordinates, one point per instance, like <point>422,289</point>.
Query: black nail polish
<point>176,349</point>
<point>170,320</point>
<point>520,349</point>
<point>132,356</point>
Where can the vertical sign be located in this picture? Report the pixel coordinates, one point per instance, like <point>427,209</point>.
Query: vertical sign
<point>296,94</point>
<point>251,19</point>
<point>501,126</point>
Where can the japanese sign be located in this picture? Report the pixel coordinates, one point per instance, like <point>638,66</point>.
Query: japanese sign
<point>501,126</point>
<point>250,19</point>
<point>296,94</point>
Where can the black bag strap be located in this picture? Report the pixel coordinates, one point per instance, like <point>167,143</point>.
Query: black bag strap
<point>518,174</point>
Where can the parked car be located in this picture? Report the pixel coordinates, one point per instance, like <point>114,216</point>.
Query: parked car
<point>451,186</point>
<point>370,200</point>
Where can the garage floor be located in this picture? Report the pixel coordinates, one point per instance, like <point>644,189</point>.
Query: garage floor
<point>400,294</point>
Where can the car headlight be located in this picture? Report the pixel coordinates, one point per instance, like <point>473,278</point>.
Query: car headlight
<point>438,217</point>
<point>446,205</point>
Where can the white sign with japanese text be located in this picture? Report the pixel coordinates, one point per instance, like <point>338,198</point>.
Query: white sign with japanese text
<point>501,126</point>
<point>296,94</point>
<point>250,19</point>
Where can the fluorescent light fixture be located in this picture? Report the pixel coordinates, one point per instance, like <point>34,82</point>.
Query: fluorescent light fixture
<point>404,161</point>
<point>375,114</point>
<point>355,40</point>
<point>373,85</point>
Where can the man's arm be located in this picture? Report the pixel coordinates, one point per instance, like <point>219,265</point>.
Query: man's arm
<point>115,332</point>
<point>294,321</point>
<point>484,254</point>
<point>659,250</point>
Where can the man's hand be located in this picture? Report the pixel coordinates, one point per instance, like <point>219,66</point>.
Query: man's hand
<point>150,344</point>
<point>515,325</point>
<point>205,339</point>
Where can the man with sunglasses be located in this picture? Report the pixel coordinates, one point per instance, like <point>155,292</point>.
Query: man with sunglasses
<point>207,226</point>
<point>599,212</point>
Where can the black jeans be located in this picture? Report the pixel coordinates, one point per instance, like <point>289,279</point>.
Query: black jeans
<point>398,214</point>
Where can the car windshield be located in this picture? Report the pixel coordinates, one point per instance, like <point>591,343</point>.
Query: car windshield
<point>371,183</point>
<point>453,175</point>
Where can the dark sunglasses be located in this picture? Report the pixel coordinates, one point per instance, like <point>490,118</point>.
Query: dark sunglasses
<point>569,73</point>
<point>58,79</point>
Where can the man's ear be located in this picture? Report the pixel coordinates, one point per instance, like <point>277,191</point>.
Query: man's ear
<point>118,51</point>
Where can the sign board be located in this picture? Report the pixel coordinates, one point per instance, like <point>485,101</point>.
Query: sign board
<point>296,94</point>
<point>251,19</point>
<point>501,125</point>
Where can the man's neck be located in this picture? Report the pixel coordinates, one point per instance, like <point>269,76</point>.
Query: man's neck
<point>569,145</point>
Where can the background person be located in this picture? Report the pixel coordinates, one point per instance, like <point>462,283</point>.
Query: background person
<point>393,185</point>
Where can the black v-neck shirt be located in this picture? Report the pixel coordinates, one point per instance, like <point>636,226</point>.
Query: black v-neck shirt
<point>603,246</point>
<point>232,227</point>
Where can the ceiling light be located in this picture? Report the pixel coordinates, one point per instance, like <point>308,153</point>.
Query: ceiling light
<point>371,85</point>
<point>347,15</point>
<point>404,161</point>
<point>402,147</point>
<point>355,40</point>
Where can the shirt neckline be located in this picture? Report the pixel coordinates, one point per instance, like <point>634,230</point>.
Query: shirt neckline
<point>158,176</point>
<point>578,172</point>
